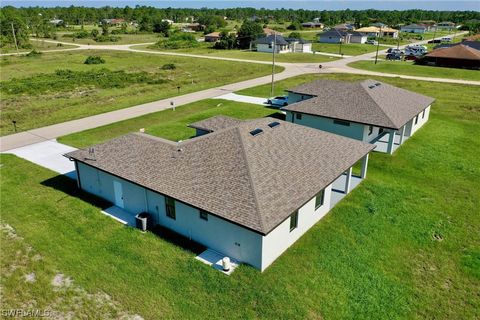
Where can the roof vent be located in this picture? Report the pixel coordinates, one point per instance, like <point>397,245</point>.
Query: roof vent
<point>274,124</point>
<point>256,132</point>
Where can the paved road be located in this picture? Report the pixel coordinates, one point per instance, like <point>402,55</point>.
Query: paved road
<point>291,70</point>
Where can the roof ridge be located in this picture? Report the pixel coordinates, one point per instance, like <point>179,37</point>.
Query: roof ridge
<point>393,125</point>
<point>255,198</point>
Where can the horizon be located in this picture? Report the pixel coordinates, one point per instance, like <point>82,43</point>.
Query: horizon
<point>329,5</point>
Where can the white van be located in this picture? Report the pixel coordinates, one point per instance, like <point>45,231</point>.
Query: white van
<point>446,39</point>
<point>415,50</point>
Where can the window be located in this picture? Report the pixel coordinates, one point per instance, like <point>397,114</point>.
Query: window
<point>204,215</point>
<point>298,116</point>
<point>342,123</point>
<point>423,114</point>
<point>319,199</point>
<point>170,207</point>
<point>416,119</point>
<point>294,220</point>
<point>370,130</point>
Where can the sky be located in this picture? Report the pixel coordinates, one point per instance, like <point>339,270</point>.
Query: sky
<point>269,4</point>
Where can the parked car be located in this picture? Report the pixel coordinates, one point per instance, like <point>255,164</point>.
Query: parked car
<point>395,51</point>
<point>393,56</point>
<point>374,42</point>
<point>435,41</point>
<point>415,50</point>
<point>446,39</point>
<point>278,101</point>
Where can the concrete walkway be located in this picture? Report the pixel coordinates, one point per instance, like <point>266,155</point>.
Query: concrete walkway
<point>242,98</point>
<point>48,154</point>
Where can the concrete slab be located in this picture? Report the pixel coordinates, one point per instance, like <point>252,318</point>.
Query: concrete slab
<point>382,143</point>
<point>120,215</point>
<point>338,188</point>
<point>214,259</point>
<point>48,154</point>
<point>242,98</point>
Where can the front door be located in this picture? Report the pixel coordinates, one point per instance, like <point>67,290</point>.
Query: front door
<point>117,188</point>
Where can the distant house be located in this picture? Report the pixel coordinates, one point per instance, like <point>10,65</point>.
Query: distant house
<point>170,22</point>
<point>334,36</point>
<point>344,26</point>
<point>271,43</point>
<point>195,26</point>
<point>413,28</point>
<point>236,190</point>
<point>379,31</point>
<point>379,25</point>
<point>269,31</point>
<point>312,24</point>
<point>212,37</point>
<point>56,22</point>
<point>456,56</point>
<point>472,44</point>
<point>369,110</point>
<point>113,22</point>
<point>337,36</point>
<point>283,45</point>
<point>446,25</point>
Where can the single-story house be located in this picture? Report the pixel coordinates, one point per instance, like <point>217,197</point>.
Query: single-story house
<point>334,36</point>
<point>445,25</point>
<point>369,110</point>
<point>379,25</point>
<point>266,44</point>
<point>238,191</point>
<point>312,25</point>
<point>357,37</point>
<point>212,37</point>
<point>269,31</point>
<point>457,56</point>
<point>413,28</point>
<point>379,31</point>
<point>282,45</point>
<point>113,22</point>
<point>344,26</point>
<point>195,26</point>
<point>170,22</point>
<point>56,22</point>
<point>472,44</point>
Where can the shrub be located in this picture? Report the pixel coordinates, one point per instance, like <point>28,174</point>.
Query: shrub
<point>94,60</point>
<point>178,41</point>
<point>82,34</point>
<point>34,53</point>
<point>59,44</point>
<point>169,66</point>
<point>103,38</point>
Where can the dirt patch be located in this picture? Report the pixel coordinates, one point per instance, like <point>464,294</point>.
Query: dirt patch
<point>61,281</point>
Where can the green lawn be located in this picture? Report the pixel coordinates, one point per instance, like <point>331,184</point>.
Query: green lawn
<point>402,245</point>
<point>205,49</point>
<point>36,45</point>
<point>63,100</point>
<point>350,49</point>
<point>123,39</point>
<point>409,68</point>
<point>168,123</point>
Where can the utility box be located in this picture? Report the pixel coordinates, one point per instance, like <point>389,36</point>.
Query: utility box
<point>141,221</point>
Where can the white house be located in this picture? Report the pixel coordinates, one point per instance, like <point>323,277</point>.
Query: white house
<point>358,37</point>
<point>282,45</point>
<point>413,28</point>
<point>237,189</point>
<point>369,110</point>
<point>334,36</point>
<point>445,25</point>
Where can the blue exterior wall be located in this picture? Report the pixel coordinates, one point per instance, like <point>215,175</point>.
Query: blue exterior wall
<point>354,131</point>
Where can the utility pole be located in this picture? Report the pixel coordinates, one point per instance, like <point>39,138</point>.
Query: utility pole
<point>274,44</point>
<point>378,45</point>
<point>14,37</point>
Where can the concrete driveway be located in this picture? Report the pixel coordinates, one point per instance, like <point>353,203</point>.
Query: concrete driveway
<point>48,154</point>
<point>242,98</point>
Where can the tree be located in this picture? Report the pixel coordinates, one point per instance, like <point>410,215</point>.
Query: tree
<point>249,31</point>
<point>160,26</point>
<point>104,28</point>
<point>295,26</point>
<point>296,35</point>
<point>94,33</point>
<point>145,24</point>
<point>226,42</point>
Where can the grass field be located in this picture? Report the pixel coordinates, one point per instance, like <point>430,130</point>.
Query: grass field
<point>123,39</point>
<point>170,124</point>
<point>402,245</point>
<point>205,49</point>
<point>36,45</point>
<point>409,68</point>
<point>59,99</point>
<point>350,49</point>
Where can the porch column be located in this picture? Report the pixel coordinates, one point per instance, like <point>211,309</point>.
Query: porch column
<point>363,173</point>
<point>391,141</point>
<point>347,180</point>
<point>402,133</point>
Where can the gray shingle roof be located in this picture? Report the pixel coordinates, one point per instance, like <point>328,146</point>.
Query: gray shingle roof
<point>279,40</point>
<point>215,123</point>
<point>254,181</point>
<point>364,102</point>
